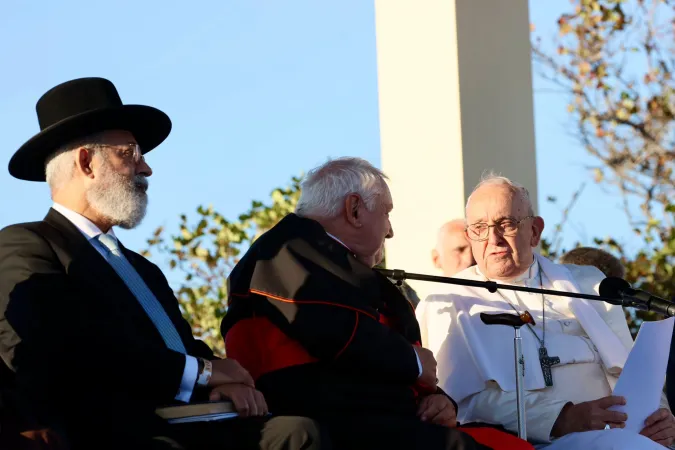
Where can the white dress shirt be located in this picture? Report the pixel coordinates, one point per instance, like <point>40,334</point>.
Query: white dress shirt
<point>91,231</point>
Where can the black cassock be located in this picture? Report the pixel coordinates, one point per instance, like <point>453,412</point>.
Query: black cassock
<point>328,337</point>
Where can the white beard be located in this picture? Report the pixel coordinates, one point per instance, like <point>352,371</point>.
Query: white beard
<point>120,199</point>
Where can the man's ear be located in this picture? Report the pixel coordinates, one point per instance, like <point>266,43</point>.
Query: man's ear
<point>537,230</point>
<point>83,160</point>
<point>435,258</point>
<point>352,205</point>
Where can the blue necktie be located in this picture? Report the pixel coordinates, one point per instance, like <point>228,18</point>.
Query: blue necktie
<point>142,293</point>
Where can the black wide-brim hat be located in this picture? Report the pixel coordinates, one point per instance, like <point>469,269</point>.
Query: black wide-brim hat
<point>79,108</point>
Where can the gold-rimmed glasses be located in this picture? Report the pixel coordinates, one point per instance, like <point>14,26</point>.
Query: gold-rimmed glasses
<point>509,226</point>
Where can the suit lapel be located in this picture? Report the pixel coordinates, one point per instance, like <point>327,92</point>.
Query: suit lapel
<point>89,269</point>
<point>81,260</point>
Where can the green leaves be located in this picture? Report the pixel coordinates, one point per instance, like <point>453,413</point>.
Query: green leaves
<point>206,248</point>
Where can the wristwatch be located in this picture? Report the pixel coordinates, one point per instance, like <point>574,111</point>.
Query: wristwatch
<point>205,371</point>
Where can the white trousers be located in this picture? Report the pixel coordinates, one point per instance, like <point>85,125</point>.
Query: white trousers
<point>614,439</point>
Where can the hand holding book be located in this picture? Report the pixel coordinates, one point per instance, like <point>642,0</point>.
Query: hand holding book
<point>247,401</point>
<point>232,394</point>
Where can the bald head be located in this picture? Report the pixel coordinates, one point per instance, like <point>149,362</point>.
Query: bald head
<point>453,252</point>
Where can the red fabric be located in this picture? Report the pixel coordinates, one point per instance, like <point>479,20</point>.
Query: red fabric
<point>385,320</point>
<point>261,347</point>
<point>351,338</point>
<point>496,439</point>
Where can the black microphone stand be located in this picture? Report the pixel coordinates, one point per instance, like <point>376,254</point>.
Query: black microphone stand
<point>492,286</point>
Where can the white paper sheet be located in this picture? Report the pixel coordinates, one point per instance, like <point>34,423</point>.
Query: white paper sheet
<point>642,378</point>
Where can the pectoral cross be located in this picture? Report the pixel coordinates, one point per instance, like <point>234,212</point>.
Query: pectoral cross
<point>546,363</point>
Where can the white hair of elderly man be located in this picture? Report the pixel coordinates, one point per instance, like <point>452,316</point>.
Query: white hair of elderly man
<point>492,178</point>
<point>325,187</point>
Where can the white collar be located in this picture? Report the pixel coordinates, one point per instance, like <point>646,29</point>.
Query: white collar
<point>343,244</point>
<point>528,278</point>
<point>86,226</point>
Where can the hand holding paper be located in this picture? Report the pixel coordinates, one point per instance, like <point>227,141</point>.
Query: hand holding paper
<point>660,427</point>
<point>643,375</point>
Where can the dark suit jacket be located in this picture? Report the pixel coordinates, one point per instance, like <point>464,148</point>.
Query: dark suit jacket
<point>86,357</point>
<point>358,329</point>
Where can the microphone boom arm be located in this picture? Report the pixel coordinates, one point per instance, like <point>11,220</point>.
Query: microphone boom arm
<point>492,286</point>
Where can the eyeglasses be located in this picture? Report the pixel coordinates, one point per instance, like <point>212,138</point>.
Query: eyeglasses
<point>506,227</point>
<point>132,152</point>
<point>129,152</point>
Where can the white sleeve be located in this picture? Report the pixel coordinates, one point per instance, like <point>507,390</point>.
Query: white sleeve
<point>420,314</point>
<point>498,407</point>
<point>589,278</point>
<point>187,383</point>
<point>664,401</point>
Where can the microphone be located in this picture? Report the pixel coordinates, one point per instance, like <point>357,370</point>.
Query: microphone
<point>620,289</point>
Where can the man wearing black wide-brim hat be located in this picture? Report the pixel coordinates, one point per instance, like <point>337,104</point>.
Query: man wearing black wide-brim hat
<point>92,330</point>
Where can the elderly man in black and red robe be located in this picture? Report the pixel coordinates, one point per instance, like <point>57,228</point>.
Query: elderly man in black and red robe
<point>326,336</point>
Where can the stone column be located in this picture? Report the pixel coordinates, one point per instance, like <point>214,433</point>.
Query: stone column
<point>455,100</point>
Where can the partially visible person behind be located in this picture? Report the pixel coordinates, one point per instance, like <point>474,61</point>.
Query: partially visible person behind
<point>326,336</point>
<point>452,253</point>
<point>607,263</point>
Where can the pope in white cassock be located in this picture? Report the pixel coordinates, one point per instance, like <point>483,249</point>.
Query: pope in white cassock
<point>573,354</point>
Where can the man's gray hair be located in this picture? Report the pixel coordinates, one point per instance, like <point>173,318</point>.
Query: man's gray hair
<point>60,165</point>
<point>491,178</point>
<point>325,187</point>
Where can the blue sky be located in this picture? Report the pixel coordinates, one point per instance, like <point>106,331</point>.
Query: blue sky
<point>257,90</point>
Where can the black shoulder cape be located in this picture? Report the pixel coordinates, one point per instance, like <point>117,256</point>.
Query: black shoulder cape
<point>352,320</point>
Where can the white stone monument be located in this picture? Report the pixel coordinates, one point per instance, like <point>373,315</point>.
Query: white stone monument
<point>455,99</point>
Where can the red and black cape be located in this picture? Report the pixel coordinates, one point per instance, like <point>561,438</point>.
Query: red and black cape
<point>321,333</point>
